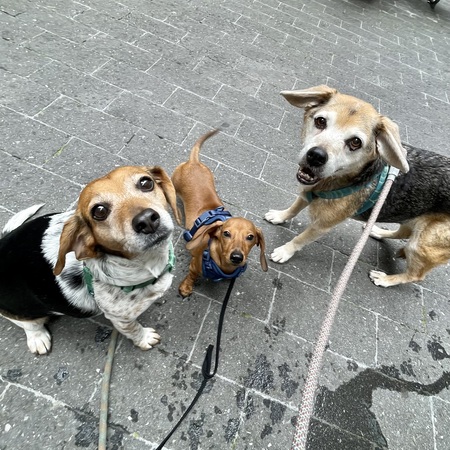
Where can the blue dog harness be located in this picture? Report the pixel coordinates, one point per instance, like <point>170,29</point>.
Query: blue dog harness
<point>339,193</point>
<point>210,269</point>
<point>208,217</point>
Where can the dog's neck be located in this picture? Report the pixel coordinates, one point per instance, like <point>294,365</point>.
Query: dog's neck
<point>119,271</point>
<point>363,177</point>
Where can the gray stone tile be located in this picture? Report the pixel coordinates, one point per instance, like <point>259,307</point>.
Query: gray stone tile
<point>246,158</point>
<point>413,356</point>
<point>219,71</point>
<point>198,108</point>
<point>232,184</point>
<point>151,117</point>
<point>274,365</point>
<point>28,139</point>
<point>402,304</point>
<point>56,23</point>
<point>18,60</point>
<point>23,95</point>
<point>109,47</point>
<point>144,84</point>
<point>73,370</point>
<point>115,27</point>
<point>441,414</point>
<point>283,145</point>
<point>300,309</point>
<point>412,413</point>
<point>23,185</point>
<point>87,123</point>
<point>16,31</point>
<point>45,424</point>
<point>180,74</point>
<point>146,148</point>
<point>154,26</point>
<point>75,84</point>
<point>249,106</point>
<point>170,385</point>
<point>72,54</point>
<point>93,162</point>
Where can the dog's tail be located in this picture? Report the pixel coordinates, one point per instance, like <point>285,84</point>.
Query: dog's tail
<point>193,158</point>
<point>19,218</point>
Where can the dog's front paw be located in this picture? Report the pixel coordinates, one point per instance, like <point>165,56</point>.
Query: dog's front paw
<point>276,217</point>
<point>186,288</point>
<point>39,341</point>
<point>282,254</point>
<point>379,278</point>
<point>149,339</point>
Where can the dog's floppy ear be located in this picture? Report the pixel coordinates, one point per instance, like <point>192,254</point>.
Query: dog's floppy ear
<point>204,234</point>
<point>308,98</point>
<point>389,145</point>
<point>163,180</point>
<point>75,237</point>
<point>262,246</point>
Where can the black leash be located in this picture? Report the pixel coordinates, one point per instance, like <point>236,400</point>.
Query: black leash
<point>206,366</point>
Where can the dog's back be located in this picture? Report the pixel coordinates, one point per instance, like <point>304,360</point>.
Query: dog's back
<point>424,189</point>
<point>19,218</point>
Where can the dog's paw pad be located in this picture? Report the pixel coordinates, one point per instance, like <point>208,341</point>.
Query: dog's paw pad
<point>281,255</point>
<point>274,216</point>
<point>378,278</point>
<point>149,340</point>
<point>39,341</point>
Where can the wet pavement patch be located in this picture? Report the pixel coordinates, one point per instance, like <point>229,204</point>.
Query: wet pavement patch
<point>349,406</point>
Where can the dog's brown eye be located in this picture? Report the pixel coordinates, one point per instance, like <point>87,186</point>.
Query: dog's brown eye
<point>250,237</point>
<point>354,143</point>
<point>100,212</point>
<point>320,123</point>
<point>227,233</point>
<point>146,184</point>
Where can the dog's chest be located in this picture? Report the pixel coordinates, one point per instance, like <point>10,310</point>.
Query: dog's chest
<point>116,302</point>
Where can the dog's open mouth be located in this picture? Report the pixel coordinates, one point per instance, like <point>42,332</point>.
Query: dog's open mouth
<point>306,176</point>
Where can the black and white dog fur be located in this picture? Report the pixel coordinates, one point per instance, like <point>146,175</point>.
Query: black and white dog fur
<point>121,230</point>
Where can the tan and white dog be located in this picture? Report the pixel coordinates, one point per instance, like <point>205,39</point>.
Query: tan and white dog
<point>112,255</point>
<point>347,149</point>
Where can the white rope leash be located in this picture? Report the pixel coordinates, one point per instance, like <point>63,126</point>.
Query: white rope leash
<point>307,404</point>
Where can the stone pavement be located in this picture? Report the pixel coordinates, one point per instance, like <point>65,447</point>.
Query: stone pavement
<point>92,84</point>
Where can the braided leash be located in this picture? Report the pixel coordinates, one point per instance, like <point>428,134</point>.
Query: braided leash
<point>307,404</point>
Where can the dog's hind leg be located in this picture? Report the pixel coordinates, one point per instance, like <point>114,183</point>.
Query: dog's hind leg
<point>428,247</point>
<point>403,232</point>
<point>38,337</point>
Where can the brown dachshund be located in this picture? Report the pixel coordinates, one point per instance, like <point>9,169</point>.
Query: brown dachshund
<point>229,239</point>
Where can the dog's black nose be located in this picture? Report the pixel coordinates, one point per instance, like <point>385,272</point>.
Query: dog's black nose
<point>236,257</point>
<point>316,157</point>
<point>146,221</point>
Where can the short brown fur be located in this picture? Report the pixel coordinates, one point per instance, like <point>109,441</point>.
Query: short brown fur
<point>194,184</point>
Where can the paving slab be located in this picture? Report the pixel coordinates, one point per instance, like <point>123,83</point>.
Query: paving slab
<point>89,85</point>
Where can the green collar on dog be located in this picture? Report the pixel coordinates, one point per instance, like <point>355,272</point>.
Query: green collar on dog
<point>88,278</point>
<point>339,193</point>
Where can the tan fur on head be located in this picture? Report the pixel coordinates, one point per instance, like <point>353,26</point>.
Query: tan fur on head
<point>119,191</point>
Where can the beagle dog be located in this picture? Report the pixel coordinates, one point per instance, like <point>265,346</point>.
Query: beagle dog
<point>348,148</point>
<point>219,244</point>
<point>112,255</point>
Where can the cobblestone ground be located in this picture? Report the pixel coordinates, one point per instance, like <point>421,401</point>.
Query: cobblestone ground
<point>89,85</point>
